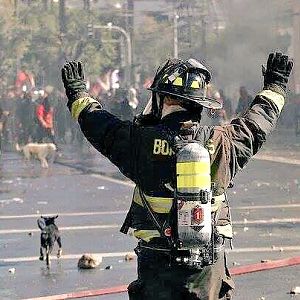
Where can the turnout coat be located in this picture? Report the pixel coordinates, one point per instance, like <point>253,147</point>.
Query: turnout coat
<point>144,154</point>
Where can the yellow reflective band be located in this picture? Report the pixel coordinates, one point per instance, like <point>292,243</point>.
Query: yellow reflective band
<point>178,81</point>
<point>167,80</point>
<point>225,230</point>
<point>146,235</point>
<point>195,84</point>
<point>202,167</point>
<point>158,204</point>
<point>276,98</point>
<point>192,181</point>
<point>79,105</point>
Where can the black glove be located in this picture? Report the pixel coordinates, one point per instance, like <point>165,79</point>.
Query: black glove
<point>277,73</point>
<point>73,78</point>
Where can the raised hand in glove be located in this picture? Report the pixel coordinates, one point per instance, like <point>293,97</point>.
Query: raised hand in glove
<point>73,79</point>
<point>277,73</point>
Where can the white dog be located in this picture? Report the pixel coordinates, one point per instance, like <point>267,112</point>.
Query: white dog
<point>42,151</point>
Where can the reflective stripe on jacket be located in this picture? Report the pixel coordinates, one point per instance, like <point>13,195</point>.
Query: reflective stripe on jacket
<point>162,205</point>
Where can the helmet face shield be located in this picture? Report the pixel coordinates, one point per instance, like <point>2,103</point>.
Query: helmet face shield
<point>186,81</point>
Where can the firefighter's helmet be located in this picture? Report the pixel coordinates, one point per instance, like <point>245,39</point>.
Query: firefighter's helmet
<point>186,81</point>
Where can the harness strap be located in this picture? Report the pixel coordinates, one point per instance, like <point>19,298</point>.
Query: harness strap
<point>160,227</point>
<point>128,221</point>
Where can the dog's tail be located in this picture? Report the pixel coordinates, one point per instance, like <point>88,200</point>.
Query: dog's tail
<point>41,223</point>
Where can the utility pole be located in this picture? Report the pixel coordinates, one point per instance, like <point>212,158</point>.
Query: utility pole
<point>45,4</point>
<point>203,16</point>
<point>128,41</point>
<point>62,29</point>
<point>62,17</point>
<point>203,37</point>
<point>130,30</point>
<point>175,33</point>
<point>16,8</point>
<point>87,5</point>
<point>184,27</point>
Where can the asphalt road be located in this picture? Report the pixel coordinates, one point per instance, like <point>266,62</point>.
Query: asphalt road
<point>265,201</point>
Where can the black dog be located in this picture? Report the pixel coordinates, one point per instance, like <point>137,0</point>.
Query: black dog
<point>49,235</point>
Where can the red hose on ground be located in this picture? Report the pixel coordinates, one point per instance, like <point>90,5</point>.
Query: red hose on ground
<point>123,288</point>
<point>273,264</point>
<point>83,294</point>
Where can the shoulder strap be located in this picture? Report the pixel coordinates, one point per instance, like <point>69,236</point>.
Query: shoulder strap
<point>128,221</point>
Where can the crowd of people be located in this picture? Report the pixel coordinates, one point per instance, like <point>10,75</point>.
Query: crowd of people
<point>41,115</point>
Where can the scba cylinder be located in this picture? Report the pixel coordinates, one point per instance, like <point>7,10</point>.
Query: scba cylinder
<point>193,195</point>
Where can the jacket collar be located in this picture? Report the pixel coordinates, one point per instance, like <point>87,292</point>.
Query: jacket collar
<point>174,120</point>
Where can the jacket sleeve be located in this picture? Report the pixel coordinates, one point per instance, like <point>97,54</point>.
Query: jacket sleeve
<point>234,144</point>
<point>108,134</point>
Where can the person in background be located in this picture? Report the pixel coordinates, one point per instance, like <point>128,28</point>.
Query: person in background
<point>44,115</point>
<point>244,101</point>
<point>297,118</point>
<point>1,127</point>
<point>3,119</point>
<point>24,115</point>
<point>217,116</point>
<point>227,106</point>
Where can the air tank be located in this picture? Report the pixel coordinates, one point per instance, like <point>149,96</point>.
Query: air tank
<point>193,196</point>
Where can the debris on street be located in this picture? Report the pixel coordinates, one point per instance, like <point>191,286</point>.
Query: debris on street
<point>295,290</point>
<point>89,261</point>
<point>129,257</point>
<point>265,260</point>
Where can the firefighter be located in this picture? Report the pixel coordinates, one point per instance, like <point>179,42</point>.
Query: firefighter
<point>151,151</point>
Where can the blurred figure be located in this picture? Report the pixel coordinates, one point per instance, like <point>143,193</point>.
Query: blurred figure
<point>61,118</point>
<point>123,99</point>
<point>132,98</point>
<point>44,116</point>
<point>227,106</point>
<point>8,106</point>
<point>297,118</point>
<point>25,118</point>
<point>218,116</point>
<point>244,101</point>
<point>3,119</point>
<point>1,128</point>
<point>121,106</point>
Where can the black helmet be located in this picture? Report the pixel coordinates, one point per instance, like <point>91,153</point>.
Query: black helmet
<point>185,80</point>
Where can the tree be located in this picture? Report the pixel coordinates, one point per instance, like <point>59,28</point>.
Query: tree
<point>33,40</point>
<point>153,43</point>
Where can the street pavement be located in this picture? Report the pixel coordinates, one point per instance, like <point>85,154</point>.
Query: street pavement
<point>91,198</point>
